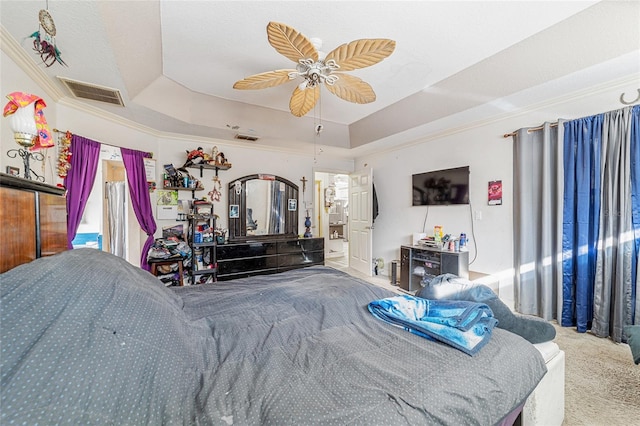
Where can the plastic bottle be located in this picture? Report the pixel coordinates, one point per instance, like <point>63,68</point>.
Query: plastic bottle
<point>463,242</point>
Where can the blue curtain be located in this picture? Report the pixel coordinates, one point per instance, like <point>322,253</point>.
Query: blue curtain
<point>596,233</point>
<point>581,215</point>
<point>635,206</point>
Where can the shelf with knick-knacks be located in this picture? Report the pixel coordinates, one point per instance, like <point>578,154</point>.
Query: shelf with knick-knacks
<point>175,181</point>
<point>198,159</point>
<point>207,166</point>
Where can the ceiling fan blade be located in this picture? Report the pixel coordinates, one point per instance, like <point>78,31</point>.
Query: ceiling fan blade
<point>361,53</point>
<point>352,89</point>
<point>303,101</point>
<point>263,80</point>
<point>290,43</point>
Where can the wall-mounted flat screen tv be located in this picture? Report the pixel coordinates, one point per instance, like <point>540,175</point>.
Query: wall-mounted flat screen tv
<point>441,187</point>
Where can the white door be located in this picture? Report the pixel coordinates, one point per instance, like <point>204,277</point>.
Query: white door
<point>361,221</point>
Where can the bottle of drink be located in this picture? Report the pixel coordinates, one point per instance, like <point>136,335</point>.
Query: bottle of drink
<point>463,242</point>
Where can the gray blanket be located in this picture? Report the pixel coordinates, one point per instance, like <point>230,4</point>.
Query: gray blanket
<point>89,339</point>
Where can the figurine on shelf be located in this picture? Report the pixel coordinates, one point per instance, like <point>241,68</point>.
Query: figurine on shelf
<point>220,159</point>
<point>220,235</point>
<point>195,157</point>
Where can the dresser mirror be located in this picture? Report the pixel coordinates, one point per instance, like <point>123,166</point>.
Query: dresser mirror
<point>262,207</point>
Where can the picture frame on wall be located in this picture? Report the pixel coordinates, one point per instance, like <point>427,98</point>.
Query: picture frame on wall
<point>495,193</point>
<point>234,211</point>
<point>13,171</point>
<point>293,204</point>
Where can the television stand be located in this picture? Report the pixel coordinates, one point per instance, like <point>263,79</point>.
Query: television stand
<point>418,262</point>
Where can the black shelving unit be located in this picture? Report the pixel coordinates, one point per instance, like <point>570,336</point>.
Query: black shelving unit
<point>425,263</point>
<point>204,264</point>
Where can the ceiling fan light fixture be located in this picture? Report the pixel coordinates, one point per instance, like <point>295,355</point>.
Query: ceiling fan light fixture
<point>316,70</point>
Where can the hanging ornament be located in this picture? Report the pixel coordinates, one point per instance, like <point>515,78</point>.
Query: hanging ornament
<point>44,41</point>
<point>64,154</point>
<point>216,192</point>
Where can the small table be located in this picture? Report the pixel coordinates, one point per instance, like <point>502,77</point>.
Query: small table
<point>170,261</point>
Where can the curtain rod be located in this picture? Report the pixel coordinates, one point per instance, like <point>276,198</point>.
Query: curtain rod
<point>102,143</point>
<point>533,129</point>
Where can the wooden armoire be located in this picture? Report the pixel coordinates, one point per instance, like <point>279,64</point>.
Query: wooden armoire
<point>33,218</point>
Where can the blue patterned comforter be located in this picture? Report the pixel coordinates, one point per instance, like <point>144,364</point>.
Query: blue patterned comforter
<point>464,325</point>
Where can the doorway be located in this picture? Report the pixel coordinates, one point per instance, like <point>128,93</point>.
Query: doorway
<point>331,198</point>
<point>114,208</point>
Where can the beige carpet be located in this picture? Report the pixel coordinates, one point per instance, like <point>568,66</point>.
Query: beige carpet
<point>602,384</point>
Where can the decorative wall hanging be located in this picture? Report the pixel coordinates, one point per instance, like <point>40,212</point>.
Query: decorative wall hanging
<point>44,40</point>
<point>216,192</point>
<point>64,154</point>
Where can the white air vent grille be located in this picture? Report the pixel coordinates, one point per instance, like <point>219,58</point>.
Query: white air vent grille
<point>93,92</point>
<point>251,138</point>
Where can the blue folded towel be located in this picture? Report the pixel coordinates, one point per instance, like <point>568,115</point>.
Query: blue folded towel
<point>462,324</point>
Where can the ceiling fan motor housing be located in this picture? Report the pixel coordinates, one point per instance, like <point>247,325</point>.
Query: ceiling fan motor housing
<point>317,72</point>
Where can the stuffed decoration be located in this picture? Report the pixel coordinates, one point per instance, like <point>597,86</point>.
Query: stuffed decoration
<point>197,156</point>
<point>220,158</point>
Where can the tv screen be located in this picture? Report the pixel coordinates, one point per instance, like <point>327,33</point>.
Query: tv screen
<point>441,187</point>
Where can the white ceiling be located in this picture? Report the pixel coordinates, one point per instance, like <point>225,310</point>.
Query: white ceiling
<point>175,62</point>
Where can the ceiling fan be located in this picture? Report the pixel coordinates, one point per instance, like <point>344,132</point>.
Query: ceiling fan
<point>316,71</point>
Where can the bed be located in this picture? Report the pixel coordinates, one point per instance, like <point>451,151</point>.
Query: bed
<point>89,339</point>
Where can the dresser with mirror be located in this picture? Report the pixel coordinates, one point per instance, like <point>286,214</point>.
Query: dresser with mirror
<point>263,230</point>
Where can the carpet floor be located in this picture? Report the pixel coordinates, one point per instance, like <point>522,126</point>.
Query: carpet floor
<point>602,384</point>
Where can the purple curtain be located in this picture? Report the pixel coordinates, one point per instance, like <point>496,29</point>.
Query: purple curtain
<point>79,181</point>
<point>139,191</point>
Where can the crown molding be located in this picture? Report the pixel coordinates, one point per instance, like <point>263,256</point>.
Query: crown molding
<point>19,55</point>
<point>610,86</point>
<point>125,122</point>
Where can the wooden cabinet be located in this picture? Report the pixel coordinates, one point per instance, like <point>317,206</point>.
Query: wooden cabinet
<point>237,260</point>
<point>418,263</point>
<point>34,221</point>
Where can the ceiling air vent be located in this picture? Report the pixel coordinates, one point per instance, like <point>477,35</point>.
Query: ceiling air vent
<point>93,92</point>
<point>251,138</point>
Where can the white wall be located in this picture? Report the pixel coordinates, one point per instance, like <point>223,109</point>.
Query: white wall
<point>483,148</point>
